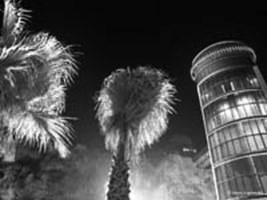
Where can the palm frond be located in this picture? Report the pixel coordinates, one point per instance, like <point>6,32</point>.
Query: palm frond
<point>43,112</point>
<point>51,103</point>
<point>14,20</point>
<point>41,54</point>
<point>36,78</point>
<point>137,100</point>
<point>37,129</point>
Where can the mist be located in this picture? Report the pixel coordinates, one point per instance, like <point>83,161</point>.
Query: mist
<point>174,177</point>
<point>84,176</point>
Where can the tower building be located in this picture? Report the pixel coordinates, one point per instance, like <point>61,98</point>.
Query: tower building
<point>233,102</point>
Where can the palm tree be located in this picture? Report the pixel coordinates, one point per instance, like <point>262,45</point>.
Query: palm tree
<point>35,70</point>
<point>132,109</point>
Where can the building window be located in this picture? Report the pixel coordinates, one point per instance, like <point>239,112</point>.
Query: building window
<point>237,139</point>
<point>253,81</point>
<point>226,83</point>
<point>261,166</point>
<point>232,84</point>
<point>234,108</point>
<point>240,178</point>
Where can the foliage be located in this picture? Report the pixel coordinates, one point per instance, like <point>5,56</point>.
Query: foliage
<point>35,70</point>
<point>135,102</point>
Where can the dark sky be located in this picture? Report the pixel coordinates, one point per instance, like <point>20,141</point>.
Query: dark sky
<point>115,36</point>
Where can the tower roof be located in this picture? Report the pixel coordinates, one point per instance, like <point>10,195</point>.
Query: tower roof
<point>219,50</point>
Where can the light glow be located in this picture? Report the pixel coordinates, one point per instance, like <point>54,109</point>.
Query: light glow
<point>174,177</point>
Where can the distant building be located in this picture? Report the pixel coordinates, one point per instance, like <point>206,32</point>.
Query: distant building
<point>202,159</point>
<point>202,162</point>
<point>233,101</point>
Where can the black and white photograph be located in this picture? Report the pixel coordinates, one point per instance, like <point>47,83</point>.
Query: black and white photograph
<point>110,101</point>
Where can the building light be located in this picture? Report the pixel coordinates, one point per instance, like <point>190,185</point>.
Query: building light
<point>232,85</point>
<point>254,82</point>
<point>185,149</point>
<point>223,88</point>
<point>224,106</point>
<point>244,100</point>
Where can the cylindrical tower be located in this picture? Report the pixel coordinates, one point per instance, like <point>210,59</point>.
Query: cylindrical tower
<point>233,103</point>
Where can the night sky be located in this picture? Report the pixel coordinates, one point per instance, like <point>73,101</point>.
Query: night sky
<point>106,37</point>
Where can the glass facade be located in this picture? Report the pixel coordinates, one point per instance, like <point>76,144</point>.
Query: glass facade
<point>221,84</point>
<point>243,176</point>
<point>234,109</point>
<point>239,139</point>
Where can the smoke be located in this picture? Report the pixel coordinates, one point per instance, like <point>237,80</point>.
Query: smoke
<point>84,176</point>
<point>81,176</point>
<point>174,177</point>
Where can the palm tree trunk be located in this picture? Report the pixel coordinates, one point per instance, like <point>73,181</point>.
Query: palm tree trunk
<point>7,169</point>
<point>119,186</point>
<point>7,181</point>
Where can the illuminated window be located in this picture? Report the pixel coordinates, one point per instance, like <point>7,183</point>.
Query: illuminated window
<point>225,83</point>
<point>244,144</point>
<point>253,127</point>
<point>259,142</point>
<point>238,147</point>
<point>252,143</point>
<point>224,106</point>
<point>249,136</point>
<point>261,126</point>
<point>234,108</point>
<point>223,88</point>
<point>235,113</point>
<point>241,111</point>
<point>263,108</point>
<point>232,85</point>
<point>206,97</point>
<point>253,81</point>
<point>244,100</point>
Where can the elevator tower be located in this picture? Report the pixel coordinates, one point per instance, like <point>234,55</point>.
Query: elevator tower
<point>233,102</point>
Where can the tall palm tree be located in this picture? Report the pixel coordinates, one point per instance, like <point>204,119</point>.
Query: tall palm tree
<point>35,70</point>
<point>132,109</point>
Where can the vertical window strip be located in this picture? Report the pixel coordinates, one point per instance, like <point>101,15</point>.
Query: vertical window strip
<point>261,131</point>
<point>254,130</point>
